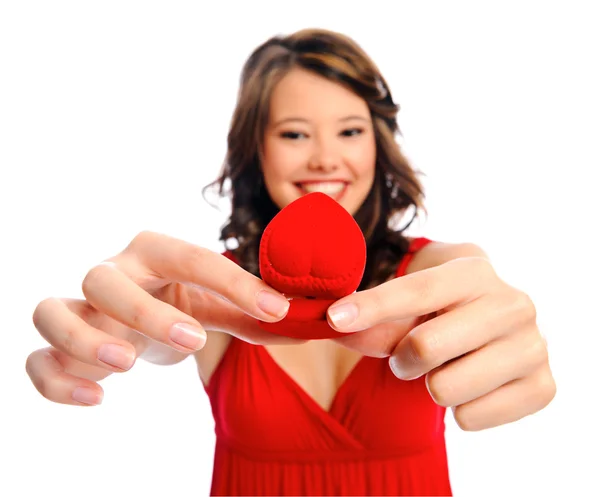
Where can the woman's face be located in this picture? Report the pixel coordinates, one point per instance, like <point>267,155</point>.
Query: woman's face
<point>319,137</point>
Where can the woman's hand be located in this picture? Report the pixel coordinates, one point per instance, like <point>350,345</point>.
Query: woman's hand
<point>158,291</point>
<point>474,337</point>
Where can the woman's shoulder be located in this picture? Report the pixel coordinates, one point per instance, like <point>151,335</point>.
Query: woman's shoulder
<point>429,253</point>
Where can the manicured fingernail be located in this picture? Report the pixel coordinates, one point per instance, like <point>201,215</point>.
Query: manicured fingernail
<point>86,396</point>
<point>402,364</point>
<point>272,304</point>
<point>188,336</point>
<point>397,368</point>
<point>116,356</point>
<point>343,315</point>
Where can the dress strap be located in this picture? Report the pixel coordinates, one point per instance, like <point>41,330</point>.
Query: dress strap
<point>415,245</point>
<point>230,256</point>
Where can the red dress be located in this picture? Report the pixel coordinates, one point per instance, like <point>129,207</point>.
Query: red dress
<point>381,436</point>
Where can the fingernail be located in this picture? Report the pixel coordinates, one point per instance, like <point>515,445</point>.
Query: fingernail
<point>116,356</point>
<point>272,304</point>
<point>403,366</point>
<point>397,369</point>
<point>86,396</point>
<point>188,336</point>
<point>343,315</point>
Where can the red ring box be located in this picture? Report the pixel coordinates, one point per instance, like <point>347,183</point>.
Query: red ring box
<point>312,249</point>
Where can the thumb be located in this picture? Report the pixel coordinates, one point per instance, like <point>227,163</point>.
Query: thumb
<point>380,340</point>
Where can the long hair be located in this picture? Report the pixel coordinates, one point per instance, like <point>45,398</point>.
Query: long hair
<point>396,189</point>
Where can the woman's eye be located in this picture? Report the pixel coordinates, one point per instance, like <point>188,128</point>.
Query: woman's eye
<point>292,135</point>
<point>352,132</point>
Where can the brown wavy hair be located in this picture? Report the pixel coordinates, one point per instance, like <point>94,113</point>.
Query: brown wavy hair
<point>396,188</point>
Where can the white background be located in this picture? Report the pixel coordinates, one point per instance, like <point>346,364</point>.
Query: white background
<point>113,115</point>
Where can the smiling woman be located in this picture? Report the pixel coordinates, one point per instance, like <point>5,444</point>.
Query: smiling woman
<point>314,113</point>
<point>330,147</point>
<point>431,326</point>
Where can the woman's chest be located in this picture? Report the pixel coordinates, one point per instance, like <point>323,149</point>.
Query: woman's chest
<point>258,403</point>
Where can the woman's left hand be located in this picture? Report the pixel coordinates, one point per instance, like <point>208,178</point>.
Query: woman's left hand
<point>474,337</point>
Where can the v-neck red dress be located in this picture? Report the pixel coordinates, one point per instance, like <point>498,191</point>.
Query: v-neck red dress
<point>381,436</point>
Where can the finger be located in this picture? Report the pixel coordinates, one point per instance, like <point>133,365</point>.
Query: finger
<point>50,380</point>
<point>183,262</point>
<point>217,314</point>
<point>100,321</point>
<point>72,335</point>
<point>380,340</point>
<point>416,294</point>
<point>113,293</point>
<point>508,403</point>
<point>458,332</point>
<point>485,370</point>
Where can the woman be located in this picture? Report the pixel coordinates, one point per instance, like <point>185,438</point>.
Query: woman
<point>432,326</point>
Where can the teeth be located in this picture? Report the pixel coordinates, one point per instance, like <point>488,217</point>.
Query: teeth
<point>329,188</point>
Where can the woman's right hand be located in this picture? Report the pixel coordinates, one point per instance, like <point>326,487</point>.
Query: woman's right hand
<point>159,291</point>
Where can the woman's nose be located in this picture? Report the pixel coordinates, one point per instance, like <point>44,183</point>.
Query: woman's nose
<point>324,158</point>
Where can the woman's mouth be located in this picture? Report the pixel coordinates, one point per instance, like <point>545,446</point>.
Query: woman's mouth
<point>335,189</point>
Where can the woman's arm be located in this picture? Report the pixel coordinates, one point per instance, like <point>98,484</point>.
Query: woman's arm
<point>479,346</point>
<point>438,253</point>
